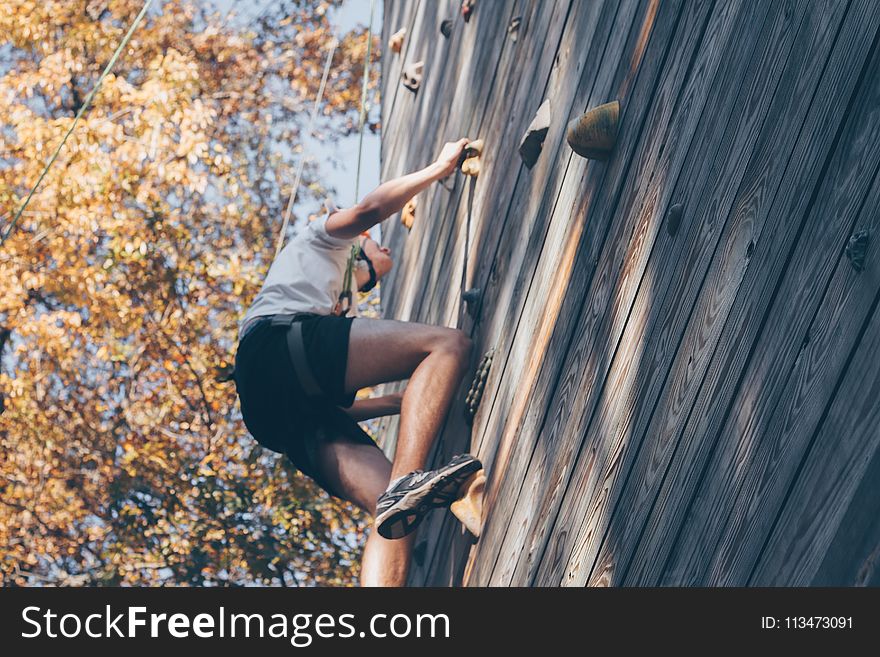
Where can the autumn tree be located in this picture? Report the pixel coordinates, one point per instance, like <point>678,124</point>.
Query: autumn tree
<point>123,458</point>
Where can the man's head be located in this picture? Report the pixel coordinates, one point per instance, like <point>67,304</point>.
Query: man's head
<point>374,261</point>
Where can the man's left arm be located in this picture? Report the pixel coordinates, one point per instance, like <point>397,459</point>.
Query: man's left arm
<point>391,196</point>
<point>367,409</point>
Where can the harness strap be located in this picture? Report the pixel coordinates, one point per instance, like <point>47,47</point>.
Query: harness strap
<point>297,349</point>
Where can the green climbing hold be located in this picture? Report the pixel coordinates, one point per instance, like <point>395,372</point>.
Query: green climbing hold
<point>475,394</point>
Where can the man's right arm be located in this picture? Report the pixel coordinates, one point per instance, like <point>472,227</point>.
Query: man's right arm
<point>391,196</point>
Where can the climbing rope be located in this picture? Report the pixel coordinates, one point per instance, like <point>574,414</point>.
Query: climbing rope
<point>343,304</point>
<point>467,249</point>
<point>79,114</point>
<point>302,160</point>
<point>363,116</point>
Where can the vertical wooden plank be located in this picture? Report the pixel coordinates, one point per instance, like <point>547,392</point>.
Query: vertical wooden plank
<point>545,28</point>
<point>552,461</point>
<point>853,557</point>
<point>772,245</point>
<point>838,460</point>
<point>681,293</point>
<point>796,363</point>
<point>542,302</point>
<point>643,322</point>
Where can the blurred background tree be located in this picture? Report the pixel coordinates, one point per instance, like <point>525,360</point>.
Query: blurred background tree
<point>123,459</point>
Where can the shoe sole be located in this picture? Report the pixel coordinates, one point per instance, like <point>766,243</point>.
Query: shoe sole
<point>396,523</point>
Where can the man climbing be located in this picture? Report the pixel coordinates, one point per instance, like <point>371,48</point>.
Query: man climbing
<point>301,360</point>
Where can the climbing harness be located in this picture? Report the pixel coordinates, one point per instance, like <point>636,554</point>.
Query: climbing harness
<point>79,114</point>
<point>297,349</point>
<point>343,303</point>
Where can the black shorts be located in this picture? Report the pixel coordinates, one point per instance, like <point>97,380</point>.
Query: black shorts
<point>274,407</point>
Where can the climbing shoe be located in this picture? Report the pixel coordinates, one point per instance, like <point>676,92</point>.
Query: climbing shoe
<point>401,508</point>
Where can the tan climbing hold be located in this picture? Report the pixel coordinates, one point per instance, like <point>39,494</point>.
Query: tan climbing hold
<point>471,164</point>
<point>594,134</point>
<point>408,215</point>
<point>412,76</point>
<point>396,40</point>
<point>468,508</point>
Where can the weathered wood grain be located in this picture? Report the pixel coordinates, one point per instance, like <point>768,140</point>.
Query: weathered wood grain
<point>551,466</point>
<point>449,215</point>
<point>673,280</point>
<point>551,289</point>
<point>662,403</point>
<point>853,557</point>
<point>846,443</point>
<point>794,366</point>
<point>805,168</point>
<point>681,277</point>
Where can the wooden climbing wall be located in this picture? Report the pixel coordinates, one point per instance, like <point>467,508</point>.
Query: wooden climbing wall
<point>668,405</point>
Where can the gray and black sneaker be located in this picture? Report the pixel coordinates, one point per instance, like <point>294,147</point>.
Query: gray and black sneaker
<point>401,508</point>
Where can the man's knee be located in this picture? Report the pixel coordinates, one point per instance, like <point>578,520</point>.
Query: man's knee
<point>460,345</point>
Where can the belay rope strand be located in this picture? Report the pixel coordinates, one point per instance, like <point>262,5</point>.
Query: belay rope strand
<point>343,304</point>
<point>467,250</point>
<point>363,116</point>
<point>79,114</point>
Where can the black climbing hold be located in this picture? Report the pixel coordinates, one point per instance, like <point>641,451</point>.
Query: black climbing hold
<point>471,299</point>
<point>513,27</point>
<point>857,249</point>
<point>531,143</point>
<point>673,219</point>
<point>475,394</point>
<point>446,28</point>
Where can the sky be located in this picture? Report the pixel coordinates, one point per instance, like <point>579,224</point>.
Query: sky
<point>353,13</point>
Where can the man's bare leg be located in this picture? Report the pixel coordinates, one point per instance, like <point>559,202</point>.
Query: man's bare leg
<point>433,358</point>
<point>361,473</point>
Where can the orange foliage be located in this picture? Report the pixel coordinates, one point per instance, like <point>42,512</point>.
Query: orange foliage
<point>123,460</point>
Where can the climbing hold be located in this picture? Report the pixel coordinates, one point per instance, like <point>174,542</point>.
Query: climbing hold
<point>467,8</point>
<point>471,299</point>
<point>396,40</point>
<point>468,508</point>
<point>531,142</point>
<point>408,214</point>
<point>593,134</point>
<point>412,76</point>
<point>673,219</point>
<point>446,28</point>
<point>475,394</point>
<point>470,165</point>
<point>513,27</point>
<point>857,249</point>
